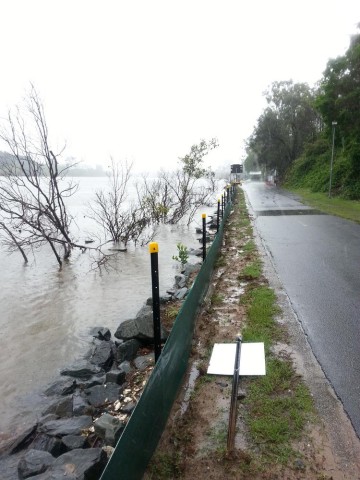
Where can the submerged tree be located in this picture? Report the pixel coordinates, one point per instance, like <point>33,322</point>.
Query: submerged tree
<point>175,195</point>
<point>32,187</point>
<point>122,220</point>
<point>33,192</point>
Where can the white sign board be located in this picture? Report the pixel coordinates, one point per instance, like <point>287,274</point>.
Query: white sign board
<point>252,359</point>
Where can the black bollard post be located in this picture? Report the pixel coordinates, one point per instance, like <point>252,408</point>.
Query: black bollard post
<point>204,235</point>
<point>154,249</point>
<point>227,194</point>
<point>233,402</point>
<point>218,217</point>
<point>222,206</point>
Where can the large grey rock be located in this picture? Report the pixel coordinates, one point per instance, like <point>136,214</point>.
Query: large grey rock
<point>102,394</point>
<point>127,330</point>
<point>128,408</point>
<point>141,327</point>
<point>198,252</point>
<point>81,406</point>
<point>117,376</point>
<point>191,268</point>
<point>66,426</point>
<point>102,354</point>
<point>79,464</point>
<point>23,439</point>
<point>102,333</point>
<point>180,280</point>
<point>82,369</point>
<point>108,428</point>
<point>180,294</point>
<point>71,442</point>
<point>126,367</point>
<point>9,466</point>
<point>33,463</point>
<point>61,387</point>
<point>49,444</point>
<point>144,361</point>
<point>61,407</point>
<point>127,350</point>
<point>163,299</point>
<point>95,380</point>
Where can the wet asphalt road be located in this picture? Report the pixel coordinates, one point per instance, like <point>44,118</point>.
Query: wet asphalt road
<point>317,258</point>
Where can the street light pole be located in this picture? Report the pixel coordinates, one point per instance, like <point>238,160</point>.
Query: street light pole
<point>332,155</point>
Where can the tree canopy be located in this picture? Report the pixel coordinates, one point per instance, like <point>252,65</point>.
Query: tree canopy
<point>293,134</point>
<point>288,122</point>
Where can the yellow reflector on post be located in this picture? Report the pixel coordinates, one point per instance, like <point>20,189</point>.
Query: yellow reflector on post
<point>153,247</point>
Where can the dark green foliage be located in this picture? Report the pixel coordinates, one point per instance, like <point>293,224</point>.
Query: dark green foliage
<point>294,133</point>
<point>288,122</point>
<point>312,170</point>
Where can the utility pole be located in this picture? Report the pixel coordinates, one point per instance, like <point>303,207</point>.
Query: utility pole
<point>332,155</point>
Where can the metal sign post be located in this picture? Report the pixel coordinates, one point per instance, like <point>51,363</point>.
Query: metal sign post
<point>234,395</point>
<point>249,360</point>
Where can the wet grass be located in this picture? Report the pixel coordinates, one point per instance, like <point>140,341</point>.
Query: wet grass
<point>261,308</point>
<point>278,405</point>
<point>278,408</point>
<point>251,271</point>
<point>220,262</point>
<point>216,299</point>
<point>249,247</point>
<point>349,209</point>
<point>165,466</point>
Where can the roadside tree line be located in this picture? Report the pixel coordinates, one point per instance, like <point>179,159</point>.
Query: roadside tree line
<point>293,134</point>
<point>34,188</point>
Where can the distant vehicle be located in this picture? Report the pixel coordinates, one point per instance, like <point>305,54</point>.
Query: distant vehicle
<point>255,176</point>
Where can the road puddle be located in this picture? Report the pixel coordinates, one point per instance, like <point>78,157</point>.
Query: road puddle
<point>280,212</point>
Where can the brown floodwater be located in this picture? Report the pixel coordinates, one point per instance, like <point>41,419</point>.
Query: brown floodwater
<point>46,314</point>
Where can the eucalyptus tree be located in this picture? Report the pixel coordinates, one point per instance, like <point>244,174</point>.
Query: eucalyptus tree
<point>286,125</point>
<point>339,97</point>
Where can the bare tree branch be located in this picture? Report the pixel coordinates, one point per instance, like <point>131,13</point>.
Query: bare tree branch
<point>32,187</point>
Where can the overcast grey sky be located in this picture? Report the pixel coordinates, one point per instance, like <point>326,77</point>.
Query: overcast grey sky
<point>144,80</point>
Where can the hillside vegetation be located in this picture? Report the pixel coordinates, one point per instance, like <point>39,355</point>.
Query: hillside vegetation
<point>294,136</point>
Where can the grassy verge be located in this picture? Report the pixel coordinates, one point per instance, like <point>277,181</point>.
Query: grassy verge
<point>349,209</point>
<point>278,405</point>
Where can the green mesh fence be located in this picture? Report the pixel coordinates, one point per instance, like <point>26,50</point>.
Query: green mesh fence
<point>146,424</point>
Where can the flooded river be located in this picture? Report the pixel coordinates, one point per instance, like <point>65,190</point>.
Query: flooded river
<point>46,314</point>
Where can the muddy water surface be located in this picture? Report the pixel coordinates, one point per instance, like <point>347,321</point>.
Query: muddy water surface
<point>46,314</point>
